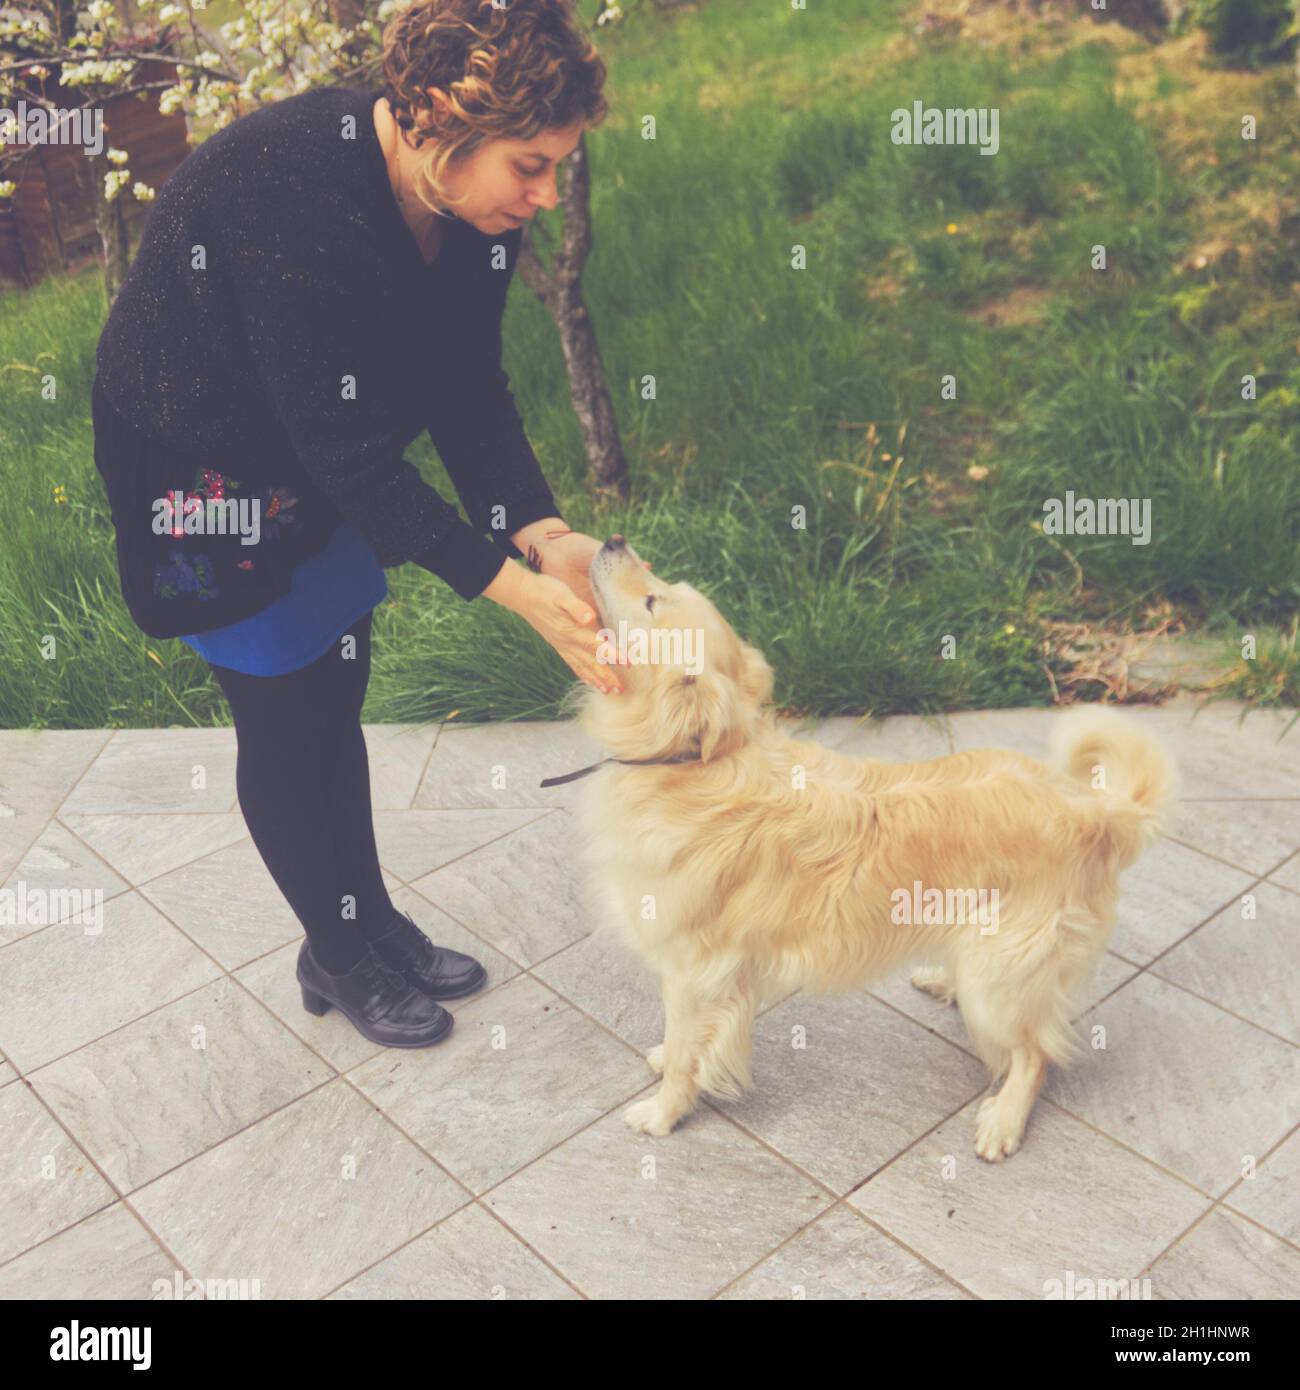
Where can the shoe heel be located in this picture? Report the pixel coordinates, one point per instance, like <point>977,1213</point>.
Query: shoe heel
<point>314,1003</point>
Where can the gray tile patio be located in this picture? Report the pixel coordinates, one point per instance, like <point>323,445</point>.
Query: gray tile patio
<point>169,1111</point>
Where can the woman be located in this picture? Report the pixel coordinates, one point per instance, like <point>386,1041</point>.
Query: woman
<point>314,288</point>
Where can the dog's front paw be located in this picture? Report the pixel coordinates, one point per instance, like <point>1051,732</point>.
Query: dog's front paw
<point>997,1133</point>
<point>656,1058</point>
<point>649,1117</point>
<point>933,980</point>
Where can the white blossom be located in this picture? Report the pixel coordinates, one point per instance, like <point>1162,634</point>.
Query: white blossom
<point>143,193</point>
<point>114,183</point>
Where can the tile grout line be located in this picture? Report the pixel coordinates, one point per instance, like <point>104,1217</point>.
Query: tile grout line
<point>1245,1216</point>
<point>208,854</point>
<point>293,1100</point>
<point>99,753</point>
<point>1182,940</point>
<point>528,970</point>
<point>1143,969</point>
<point>1218,859</point>
<point>514,830</point>
<point>130,886</point>
<point>790,1163</point>
<point>424,766</point>
<point>230,974</point>
<point>442,1221</point>
<point>1241,1018</point>
<point>1145,1271</point>
<point>119,1195</point>
<point>841,1199</point>
<point>124,1201</point>
<point>842,1202</point>
<point>476,1199</point>
<point>1220,1204</point>
<point>1129,1149</point>
<point>55,818</point>
<point>782,1158</point>
<point>1042,1100</point>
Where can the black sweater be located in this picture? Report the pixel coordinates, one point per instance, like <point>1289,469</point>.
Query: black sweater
<point>280,328</point>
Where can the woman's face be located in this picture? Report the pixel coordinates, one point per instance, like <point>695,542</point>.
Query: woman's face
<point>506,181</point>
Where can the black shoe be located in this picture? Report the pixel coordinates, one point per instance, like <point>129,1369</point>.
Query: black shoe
<point>438,971</point>
<point>379,1002</point>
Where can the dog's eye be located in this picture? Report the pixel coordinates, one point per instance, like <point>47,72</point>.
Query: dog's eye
<point>650,603</point>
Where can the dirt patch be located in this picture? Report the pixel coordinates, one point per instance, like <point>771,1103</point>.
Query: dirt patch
<point>1030,28</point>
<point>1082,660</point>
<point>1025,304</point>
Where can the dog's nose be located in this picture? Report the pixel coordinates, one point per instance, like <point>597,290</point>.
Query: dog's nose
<point>616,541</point>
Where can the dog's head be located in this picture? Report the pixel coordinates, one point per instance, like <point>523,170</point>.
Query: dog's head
<point>692,685</point>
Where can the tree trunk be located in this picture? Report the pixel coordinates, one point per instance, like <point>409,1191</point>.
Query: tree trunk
<point>560,289</point>
<point>347,14</point>
<point>65,19</point>
<point>114,239</point>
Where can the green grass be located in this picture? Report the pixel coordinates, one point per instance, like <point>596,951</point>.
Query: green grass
<point>773,130</point>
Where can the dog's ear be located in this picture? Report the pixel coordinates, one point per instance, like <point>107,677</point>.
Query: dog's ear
<point>708,713</point>
<point>715,710</point>
<point>756,679</point>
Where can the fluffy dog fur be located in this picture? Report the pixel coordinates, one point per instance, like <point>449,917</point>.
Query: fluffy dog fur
<point>771,862</point>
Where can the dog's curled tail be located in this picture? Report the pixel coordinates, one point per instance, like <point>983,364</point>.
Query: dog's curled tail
<point>1131,775</point>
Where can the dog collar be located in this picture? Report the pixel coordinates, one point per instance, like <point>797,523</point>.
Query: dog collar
<point>631,762</point>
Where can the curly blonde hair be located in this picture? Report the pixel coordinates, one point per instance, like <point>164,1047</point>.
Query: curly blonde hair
<point>507,70</point>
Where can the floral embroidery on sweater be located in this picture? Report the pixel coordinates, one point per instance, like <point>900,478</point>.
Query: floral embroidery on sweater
<point>275,514</point>
<point>182,574</point>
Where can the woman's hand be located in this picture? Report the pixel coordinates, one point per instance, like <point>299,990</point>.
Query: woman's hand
<point>568,622</point>
<point>567,557</point>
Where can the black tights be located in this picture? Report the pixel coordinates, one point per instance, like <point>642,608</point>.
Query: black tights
<point>304,787</point>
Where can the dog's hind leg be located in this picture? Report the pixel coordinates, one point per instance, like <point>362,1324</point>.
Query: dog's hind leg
<point>1018,1022</point>
<point>1000,1120</point>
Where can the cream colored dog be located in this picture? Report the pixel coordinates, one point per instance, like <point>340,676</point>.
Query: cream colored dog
<point>755,862</point>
